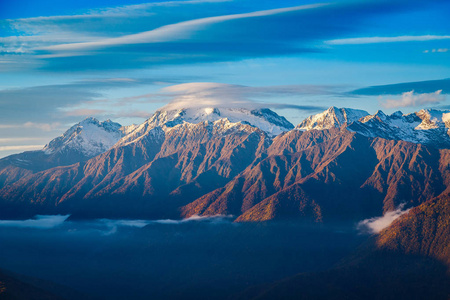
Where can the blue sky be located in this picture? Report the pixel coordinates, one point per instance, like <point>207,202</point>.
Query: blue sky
<point>61,61</point>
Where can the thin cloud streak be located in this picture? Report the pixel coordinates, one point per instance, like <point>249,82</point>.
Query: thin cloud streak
<point>21,148</point>
<point>40,222</point>
<point>394,39</point>
<point>176,31</point>
<point>41,126</point>
<point>119,11</point>
<point>18,139</point>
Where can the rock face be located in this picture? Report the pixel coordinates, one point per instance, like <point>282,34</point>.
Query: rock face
<point>330,174</point>
<point>342,164</point>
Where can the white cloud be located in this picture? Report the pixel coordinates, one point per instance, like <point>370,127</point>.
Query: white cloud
<point>43,126</point>
<point>438,50</point>
<point>412,99</point>
<point>393,39</point>
<point>173,32</point>
<point>21,148</point>
<point>19,139</point>
<point>212,219</point>
<point>375,225</point>
<point>40,221</point>
<point>212,94</point>
<point>113,225</point>
<point>118,11</point>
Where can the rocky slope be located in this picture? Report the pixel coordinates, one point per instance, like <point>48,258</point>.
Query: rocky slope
<point>309,179</point>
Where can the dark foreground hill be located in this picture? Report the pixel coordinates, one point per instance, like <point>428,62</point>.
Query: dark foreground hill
<point>408,260</point>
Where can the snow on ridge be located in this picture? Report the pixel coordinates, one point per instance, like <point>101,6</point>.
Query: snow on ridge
<point>427,126</point>
<point>89,138</point>
<point>332,117</point>
<point>264,119</point>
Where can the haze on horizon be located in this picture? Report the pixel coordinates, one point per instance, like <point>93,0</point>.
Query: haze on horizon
<point>61,62</point>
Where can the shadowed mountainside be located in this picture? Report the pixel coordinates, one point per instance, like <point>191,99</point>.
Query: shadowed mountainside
<point>408,260</point>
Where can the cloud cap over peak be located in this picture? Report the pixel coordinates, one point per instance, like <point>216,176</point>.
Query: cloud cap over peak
<point>212,94</point>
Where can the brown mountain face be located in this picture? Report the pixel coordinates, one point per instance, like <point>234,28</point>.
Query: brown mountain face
<point>410,259</point>
<point>79,143</point>
<point>220,167</point>
<point>329,175</point>
<point>17,166</point>
<point>149,177</point>
<point>424,231</point>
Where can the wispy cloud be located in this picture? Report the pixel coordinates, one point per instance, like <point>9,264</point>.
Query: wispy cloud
<point>110,227</point>
<point>195,218</point>
<point>211,94</point>
<point>377,224</point>
<point>18,139</point>
<point>392,39</point>
<point>85,112</point>
<point>40,221</point>
<point>438,50</point>
<point>41,126</point>
<point>33,107</point>
<point>411,99</point>
<point>173,32</point>
<point>113,225</point>
<point>429,86</point>
<point>187,32</point>
<point>21,148</point>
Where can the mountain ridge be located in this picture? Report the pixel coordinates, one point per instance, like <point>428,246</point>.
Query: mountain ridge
<point>189,162</point>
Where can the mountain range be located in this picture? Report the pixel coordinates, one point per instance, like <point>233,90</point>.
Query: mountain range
<point>339,165</point>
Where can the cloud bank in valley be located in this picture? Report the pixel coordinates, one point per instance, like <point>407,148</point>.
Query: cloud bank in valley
<point>39,222</point>
<point>377,224</point>
<point>102,226</point>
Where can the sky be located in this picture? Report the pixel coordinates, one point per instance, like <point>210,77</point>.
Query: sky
<point>62,61</point>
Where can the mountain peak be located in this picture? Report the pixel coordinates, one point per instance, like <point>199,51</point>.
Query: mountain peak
<point>332,117</point>
<point>262,118</point>
<point>89,138</point>
<point>433,118</point>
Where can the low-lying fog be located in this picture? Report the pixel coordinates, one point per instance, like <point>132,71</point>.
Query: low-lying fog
<point>210,258</point>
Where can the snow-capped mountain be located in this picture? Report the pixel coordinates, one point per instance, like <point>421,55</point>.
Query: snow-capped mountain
<point>264,119</point>
<point>88,137</point>
<point>332,117</point>
<point>427,126</point>
<point>227,161</point>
